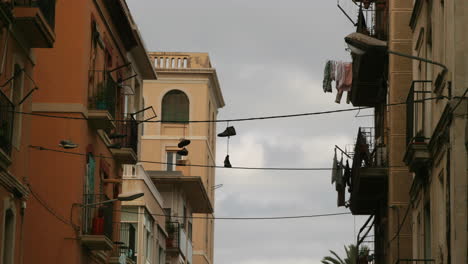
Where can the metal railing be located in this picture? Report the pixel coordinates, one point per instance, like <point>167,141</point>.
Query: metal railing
<point>415,261</point>
<point>366,152</point>
<point>369,17</point>
<point>416,112</point>
<point>6,123</point>
<point>173,235</point>
<point>127,241</point>
<point>128,131</point>
<point>47,8</point>
<point>97,219</point>
<point>102,92</point>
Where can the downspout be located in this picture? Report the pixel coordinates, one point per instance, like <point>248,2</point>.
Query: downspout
<point>448,210</point>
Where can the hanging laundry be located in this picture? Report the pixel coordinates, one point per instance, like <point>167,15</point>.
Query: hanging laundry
<point>334,169</point>
<point>341,197</point>
<point>340,184</point>
<point>339,175</point>
<point>344,78</point>
<point>328,76</point>
<point>347,175</point>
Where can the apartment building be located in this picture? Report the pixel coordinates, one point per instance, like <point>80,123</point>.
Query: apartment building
<point>83,131</point>
<point>187,89</point>
<point>410,172</point>
<point>437,132</point>
<point>143,220</point>
<point>380,181</point>
<point>24,26</point>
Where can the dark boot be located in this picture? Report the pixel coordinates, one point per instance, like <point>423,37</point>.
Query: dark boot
<point>183,143</point>
<point>183,152</point>
<point>229,132</point>
<point>227,163</point>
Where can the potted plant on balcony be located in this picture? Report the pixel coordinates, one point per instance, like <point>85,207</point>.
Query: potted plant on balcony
<point>363,255</point>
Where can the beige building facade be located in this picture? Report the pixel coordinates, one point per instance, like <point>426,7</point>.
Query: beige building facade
<point>437,132</point>
<point>409,172</point>
<point>187,89</point>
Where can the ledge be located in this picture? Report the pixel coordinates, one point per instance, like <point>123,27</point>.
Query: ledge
<point>96,242</point>
<point>417,156</point>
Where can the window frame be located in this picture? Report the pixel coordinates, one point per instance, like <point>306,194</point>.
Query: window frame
<point>175,157</point>
<point>8,205</point>
<point>178,115</point>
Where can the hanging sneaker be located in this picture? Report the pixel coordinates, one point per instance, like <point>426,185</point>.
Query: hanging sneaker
<point>183,152</point>
<point>229,132</point>
<point>183,143</point>
<point>67,144</point>
<point>227,163</point>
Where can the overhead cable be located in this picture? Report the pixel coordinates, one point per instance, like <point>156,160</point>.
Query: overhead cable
<point>243,218</point>
<point>231,120</point>
<point>194,165</point>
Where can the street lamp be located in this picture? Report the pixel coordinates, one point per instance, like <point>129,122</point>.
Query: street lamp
<point>121,197</point>
<point>361,44</point>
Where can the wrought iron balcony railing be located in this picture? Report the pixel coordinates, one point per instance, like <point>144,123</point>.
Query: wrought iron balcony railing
<point>173,237</point>
<point>102,92</point>
<point>97,219</point>
<point>416,114</point>
<point>6,123</point>
<point>127,133</point>
<point>47,8</point>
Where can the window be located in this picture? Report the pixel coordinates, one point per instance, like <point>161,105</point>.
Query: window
<point>427,231</point>
<point>162,256</point>
<point>128,232</point>
<point>16,97</point>
<point>8,248</point>
<point>172,158</point>
<point>175,107</point>
<point>148,237</point>
<point>190,230</point>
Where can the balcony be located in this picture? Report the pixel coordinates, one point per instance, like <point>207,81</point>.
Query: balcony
<point>417,154</point>
<point>369,175</point>
<point>125,150</point>
<point>97,225</point>
<point>102,99</point>
<point>125,246</point>
<point>192,187</point>
<point>177,241</point>
<point>36,19</point>
<point>369,69</point>
<point>6,128</point>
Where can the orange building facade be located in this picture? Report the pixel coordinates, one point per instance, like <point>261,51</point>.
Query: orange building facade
<point>90,81</point>
<point>24,25</point>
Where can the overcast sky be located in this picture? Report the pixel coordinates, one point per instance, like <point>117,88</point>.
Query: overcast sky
<point>269,56</point>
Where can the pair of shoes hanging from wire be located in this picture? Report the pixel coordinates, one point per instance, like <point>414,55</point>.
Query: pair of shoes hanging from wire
<point>228,132</point>
<point>182,144</point>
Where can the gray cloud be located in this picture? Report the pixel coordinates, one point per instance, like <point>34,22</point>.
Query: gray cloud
<point>269,56</point>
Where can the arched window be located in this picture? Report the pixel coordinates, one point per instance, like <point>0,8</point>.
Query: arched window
<point>175,107</point>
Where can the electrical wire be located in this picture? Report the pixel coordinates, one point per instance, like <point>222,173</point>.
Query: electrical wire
<point>49,209</point>
<point>230,120</point>
<point>243,218</point>
<point>195,165</point>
